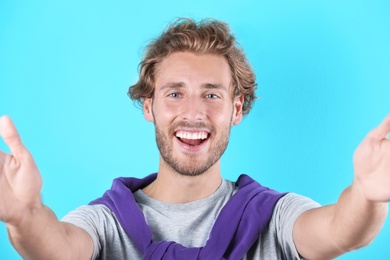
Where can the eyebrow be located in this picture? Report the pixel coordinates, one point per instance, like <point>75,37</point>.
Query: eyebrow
<point>173,85</point>
<point>213,86</point>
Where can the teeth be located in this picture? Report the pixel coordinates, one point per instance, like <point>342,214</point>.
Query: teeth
<point>191,135</point>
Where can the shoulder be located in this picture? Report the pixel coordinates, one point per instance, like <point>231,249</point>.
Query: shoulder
<point>95,219</point>
<point>86,212</point>
<point>291,206</point>
<point>294,200</point>
<point>280,229</point>
<point>285,214</point>
<point>98,221</point>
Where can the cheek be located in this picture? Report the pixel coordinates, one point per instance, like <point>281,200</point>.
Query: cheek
<point>163,116</point>
<point>220,116</point>
<point>166,110</point>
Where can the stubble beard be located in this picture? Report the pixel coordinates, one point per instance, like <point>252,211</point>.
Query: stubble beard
<point>193,165</point>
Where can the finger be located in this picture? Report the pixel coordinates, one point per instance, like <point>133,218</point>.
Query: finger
<point>381,131</point>
<point>2,158</point>
<point>10,135</point>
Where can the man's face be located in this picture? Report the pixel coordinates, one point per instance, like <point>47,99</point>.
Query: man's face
<point>193,110</point>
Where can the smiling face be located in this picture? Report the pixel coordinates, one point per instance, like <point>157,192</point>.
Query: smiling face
<point>193,109</point>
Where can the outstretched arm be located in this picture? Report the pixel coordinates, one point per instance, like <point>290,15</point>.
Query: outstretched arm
<point>33,228</point>
<point>357,217</point>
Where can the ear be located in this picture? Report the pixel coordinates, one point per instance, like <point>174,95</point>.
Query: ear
<point>147,108</point>
<point>238,103</point>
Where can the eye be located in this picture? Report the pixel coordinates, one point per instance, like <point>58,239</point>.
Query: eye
<point>211,96</point>
<point>174,95</point>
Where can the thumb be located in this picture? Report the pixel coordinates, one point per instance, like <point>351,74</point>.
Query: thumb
<point>11,136</point>
<point>382,131</point>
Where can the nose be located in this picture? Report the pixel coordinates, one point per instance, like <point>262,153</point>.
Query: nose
<point>193,109</point>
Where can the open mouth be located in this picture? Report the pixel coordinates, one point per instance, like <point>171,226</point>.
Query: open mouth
<point>192,138</point>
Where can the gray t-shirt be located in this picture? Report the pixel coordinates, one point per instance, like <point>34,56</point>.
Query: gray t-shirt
<point>189,224</point>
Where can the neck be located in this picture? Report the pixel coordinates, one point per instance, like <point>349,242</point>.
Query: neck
<point>172,187</point>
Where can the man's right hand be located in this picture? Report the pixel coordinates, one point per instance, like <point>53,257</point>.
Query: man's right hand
<point>20,180</point>
<point>33,228</point>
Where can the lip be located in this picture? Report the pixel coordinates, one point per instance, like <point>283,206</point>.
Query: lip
<point>192,130</point>
<point>191,148</point>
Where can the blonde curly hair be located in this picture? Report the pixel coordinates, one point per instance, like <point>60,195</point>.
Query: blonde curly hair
<point>205,37</point>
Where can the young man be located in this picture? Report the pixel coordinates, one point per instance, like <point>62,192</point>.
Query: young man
<point>195,83</point>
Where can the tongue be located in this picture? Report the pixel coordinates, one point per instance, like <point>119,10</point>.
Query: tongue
<point>192,142</point>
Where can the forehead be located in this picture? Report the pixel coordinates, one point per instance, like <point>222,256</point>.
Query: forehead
<point>193,69</point>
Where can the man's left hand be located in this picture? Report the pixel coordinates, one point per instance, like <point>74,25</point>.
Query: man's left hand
<point>372,164</point>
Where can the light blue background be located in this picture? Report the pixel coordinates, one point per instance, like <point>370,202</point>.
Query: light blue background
<point>323,70</point>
